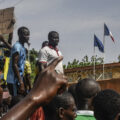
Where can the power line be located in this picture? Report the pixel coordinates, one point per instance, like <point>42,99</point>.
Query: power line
<point>18,3</point>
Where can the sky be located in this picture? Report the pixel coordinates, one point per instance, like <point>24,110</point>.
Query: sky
<point>76,21</point>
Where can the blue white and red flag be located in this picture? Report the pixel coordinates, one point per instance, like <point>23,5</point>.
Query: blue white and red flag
<point>107,32</point>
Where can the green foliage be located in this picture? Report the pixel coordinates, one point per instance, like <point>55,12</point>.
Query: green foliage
<point>85,62</point>
<point>119,58</point>
<point>33,72</point>
<point>64,66</point>
<point>33,55</point>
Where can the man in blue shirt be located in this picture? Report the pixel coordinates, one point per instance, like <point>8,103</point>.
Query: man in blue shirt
<point>16,67</point>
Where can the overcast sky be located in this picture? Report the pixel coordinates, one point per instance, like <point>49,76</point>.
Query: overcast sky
<point>76,21</point>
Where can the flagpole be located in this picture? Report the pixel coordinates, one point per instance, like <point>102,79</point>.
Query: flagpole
<point>29,53</point>
<point>106,33</point>
<point>94,64</point>
<point>100,45</point>
<point>94,59</point>
<point>103,54</point>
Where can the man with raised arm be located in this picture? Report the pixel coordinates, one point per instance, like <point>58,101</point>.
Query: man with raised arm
<point>48,84</point>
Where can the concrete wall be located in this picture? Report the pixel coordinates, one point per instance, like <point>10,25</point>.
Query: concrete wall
<point>111,75</point>
<point>110,84</point>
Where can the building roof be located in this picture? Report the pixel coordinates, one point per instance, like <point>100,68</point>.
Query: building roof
<point>110,65</point>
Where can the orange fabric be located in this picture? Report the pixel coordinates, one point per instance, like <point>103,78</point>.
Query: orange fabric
<point>38,114</point>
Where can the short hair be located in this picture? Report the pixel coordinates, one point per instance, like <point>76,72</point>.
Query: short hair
<point>20,30</point>
<point>87,88</point>
<point>51,33</point>
<point>62,100</point>
<point>106,104</point>
<point>44,43</point>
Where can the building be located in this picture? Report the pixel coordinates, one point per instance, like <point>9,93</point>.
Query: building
<point>111,75</point>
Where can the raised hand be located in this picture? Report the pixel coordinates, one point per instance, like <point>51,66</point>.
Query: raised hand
<point>49,83</point>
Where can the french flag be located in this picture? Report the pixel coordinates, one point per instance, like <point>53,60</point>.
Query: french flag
<point>107,32</point>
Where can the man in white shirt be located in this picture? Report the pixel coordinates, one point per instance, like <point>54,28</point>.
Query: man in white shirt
<point>49,53</point>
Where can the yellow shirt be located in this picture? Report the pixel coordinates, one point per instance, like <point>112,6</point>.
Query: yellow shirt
<point>27,67</point>
<point>6,66</point>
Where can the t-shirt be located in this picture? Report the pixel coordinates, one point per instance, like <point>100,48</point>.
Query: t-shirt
<point>48,54</point>
<point>6,65</point>
<point>11,78</point>
<point>85,115</point>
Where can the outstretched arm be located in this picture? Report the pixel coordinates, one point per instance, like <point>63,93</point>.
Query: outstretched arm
<point>7,44</point>
<point>48,84</point>
<point>10,38</point>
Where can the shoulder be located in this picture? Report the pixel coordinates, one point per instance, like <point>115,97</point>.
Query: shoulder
<point>46,49</point>
<point>16,46</point>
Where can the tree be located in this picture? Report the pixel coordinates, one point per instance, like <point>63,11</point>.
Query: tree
<point>85,59</point>
<point>33,55</point>
<point>119,58</point>
<point>85,62</point>
<point>100,60</point>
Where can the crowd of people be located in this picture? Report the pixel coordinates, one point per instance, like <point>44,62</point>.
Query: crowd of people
<point>50,98</point>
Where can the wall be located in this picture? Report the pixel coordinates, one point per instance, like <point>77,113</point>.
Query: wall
<point>111,75</point>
